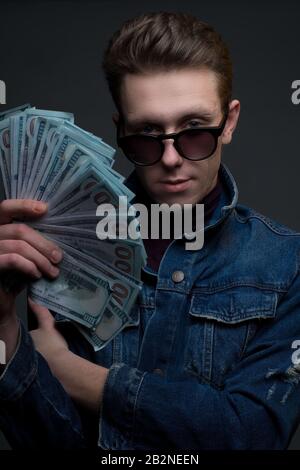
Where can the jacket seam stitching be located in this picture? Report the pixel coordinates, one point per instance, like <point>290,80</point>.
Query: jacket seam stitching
<point>224,287</point>
<point>133,437</point>
<point>267,224</point>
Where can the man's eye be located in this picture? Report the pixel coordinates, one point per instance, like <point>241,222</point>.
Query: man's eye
<point>151,129</point>
<point>147,129</point>
<point>195,124</point>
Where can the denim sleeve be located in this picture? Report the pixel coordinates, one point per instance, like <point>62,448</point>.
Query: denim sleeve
<point>35,410</point>
<point>258,407</point>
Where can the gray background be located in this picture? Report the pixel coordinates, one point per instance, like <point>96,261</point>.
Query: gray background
<point>50,56</point>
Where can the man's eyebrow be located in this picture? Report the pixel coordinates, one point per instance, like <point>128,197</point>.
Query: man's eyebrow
<point>204,115</point>
<point>201,114</point>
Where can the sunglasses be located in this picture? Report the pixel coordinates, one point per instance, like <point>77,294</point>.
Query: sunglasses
<point>193,144</point>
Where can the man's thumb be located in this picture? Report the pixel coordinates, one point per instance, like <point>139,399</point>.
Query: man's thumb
<point>43,315</point>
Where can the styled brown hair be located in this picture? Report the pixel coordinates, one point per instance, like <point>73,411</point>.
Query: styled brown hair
<point>164,41</point>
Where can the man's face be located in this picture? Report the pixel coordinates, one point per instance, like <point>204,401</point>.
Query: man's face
<point>165,102</point>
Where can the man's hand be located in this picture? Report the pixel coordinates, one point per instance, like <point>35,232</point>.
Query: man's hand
<point>83,380</point>
<point>25,255</point>
<point>47,339</point>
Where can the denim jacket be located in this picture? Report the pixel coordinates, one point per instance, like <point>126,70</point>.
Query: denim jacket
<point>208,363</point>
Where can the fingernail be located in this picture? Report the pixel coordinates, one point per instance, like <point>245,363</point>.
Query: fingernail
<point>54,271</point>
<point>56,256</point>
<point>39,207</point>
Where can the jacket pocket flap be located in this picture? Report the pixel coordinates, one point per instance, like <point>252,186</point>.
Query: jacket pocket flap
<point>234,305</point>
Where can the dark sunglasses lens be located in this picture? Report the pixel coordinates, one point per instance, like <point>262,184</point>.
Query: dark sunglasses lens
<point>196,144</point>
<point>141,149</point>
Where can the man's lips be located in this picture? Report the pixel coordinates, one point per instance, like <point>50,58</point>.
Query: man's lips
<point>175,185</point>
<point>174,181</point>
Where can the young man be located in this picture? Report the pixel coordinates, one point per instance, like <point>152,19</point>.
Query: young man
<point>208,363</point>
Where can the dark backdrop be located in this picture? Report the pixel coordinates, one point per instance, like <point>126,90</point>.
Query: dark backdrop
<point>50,56</point>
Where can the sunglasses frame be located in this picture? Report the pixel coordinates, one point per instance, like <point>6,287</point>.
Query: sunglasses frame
<point>215,131</point>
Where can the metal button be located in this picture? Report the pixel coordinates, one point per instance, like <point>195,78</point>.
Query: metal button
<point>158,371</point>
<point>177,276</point>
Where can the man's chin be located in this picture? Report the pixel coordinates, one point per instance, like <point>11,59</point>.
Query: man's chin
<point>174,200</point>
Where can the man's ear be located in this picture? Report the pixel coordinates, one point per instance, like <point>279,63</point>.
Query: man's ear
<point>116,118</point>
<point>232,120</point>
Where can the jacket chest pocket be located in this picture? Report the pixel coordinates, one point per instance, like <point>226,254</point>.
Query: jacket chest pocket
<point>220,325</point>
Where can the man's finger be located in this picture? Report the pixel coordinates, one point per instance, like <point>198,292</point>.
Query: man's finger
<point>33,238</point>
<point>22,248</point>
<point>11,209</point>
<point>15,262</point>
<point>43,315</point>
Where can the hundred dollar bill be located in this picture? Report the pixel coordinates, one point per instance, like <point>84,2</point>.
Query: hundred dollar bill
<point>79,166</point>
<point>78,293</point>
<point>85,198</point>
<point>74,157</point>
<point>85,192</point>
<point>113,320</point>
<point>93,162</point>
<point>105,228</point>
<point>69,134</point>
<point>126,256</point>
<point>125,287</point>
<point>5,156</point>
<point>117,175</point>
<point>10,112</point>
<point>34,127</point>
<point>42,153</point>
<point>17,136</point>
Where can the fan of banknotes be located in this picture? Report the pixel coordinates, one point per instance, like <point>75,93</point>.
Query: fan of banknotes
<point>45,156</point>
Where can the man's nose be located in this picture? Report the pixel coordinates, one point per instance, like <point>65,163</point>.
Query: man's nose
<point>170,156</point>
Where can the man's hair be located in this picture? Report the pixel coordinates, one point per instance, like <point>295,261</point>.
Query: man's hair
<point>164,41</point>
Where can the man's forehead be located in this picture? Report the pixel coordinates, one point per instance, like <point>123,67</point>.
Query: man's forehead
<point>160,97</point>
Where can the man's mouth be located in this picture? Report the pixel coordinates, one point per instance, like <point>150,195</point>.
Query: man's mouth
<point>175,185</point>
